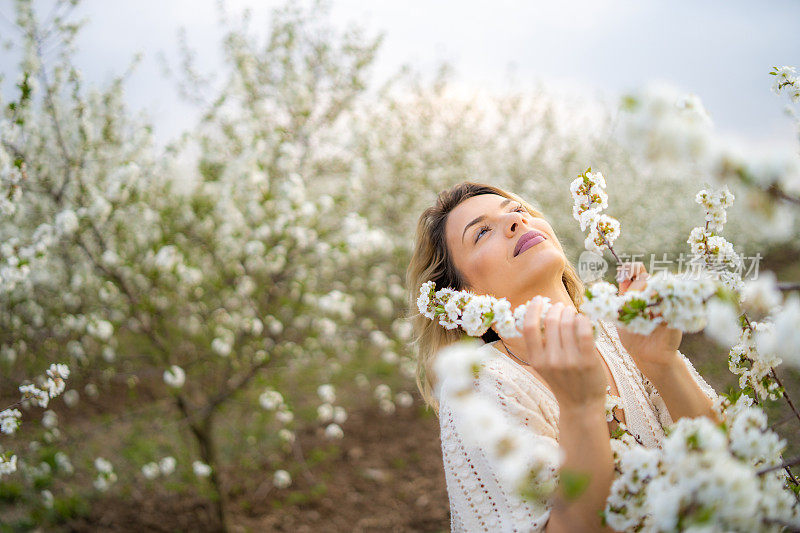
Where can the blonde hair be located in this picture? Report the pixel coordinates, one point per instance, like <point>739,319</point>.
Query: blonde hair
<point>431,261</point>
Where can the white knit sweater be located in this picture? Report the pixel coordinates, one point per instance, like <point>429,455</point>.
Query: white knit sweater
<point>478,499</point>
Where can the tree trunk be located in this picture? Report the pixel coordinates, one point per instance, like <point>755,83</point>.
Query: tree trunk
<point>204,435</point>
<point>208,453</point>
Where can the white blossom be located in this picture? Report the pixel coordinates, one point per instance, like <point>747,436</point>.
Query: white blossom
<point>8,465</point>
<point>786,80</point>
<point>387,406</point>
<point>284,415</point>
<point>103,465</point>
<point>281,479</point>
<point>404,399</point>
<point>49,419</point>
<point>71,398</point>
<point>221,346</point>
<point>175,377</point>
<point>286,435</point>
<point>66,221</point>
<point>167,465</point>
<point>705,476</point>
<point>201,469</point>
<point>270,399</point>
<point>333,431</point>
<point>519,458</point>
<point>339,414</point>
<point>325,412</point>
<point>36,395</point>
<point>761,295</point>
<point>150,470</point>
<point>327,393</point>
<point>102,329</point>
<point>9,420</point>
<point>781,338</point>
<point>723,323</point>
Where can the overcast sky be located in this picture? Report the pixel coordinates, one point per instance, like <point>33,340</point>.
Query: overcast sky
<point>721,51</point>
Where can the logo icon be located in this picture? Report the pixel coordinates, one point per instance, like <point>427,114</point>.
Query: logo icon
<point>591,266</point>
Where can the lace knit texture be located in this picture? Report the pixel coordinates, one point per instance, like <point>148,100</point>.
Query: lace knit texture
<point>478,499</point>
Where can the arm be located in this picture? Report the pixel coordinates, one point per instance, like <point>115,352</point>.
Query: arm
<point>680,390</point>
<point>584,438</point>
<point>566,357</point>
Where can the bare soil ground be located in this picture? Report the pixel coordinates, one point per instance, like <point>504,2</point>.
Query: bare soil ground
<point>386,475</point>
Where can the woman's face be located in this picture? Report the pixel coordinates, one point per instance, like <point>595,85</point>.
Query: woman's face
<point>482,234</point>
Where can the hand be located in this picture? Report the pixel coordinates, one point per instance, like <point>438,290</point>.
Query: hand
<point>565,354</point>
<point>661,345</point>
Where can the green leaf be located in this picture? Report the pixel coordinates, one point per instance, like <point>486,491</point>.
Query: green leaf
<point>573,483</point>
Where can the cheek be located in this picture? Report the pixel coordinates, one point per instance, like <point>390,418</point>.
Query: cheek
<point>486,267</point>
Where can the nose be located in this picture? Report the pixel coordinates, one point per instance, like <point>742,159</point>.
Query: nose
<point>514,223</point>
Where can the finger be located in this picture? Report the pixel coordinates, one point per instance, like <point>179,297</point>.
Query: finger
<point>623,277</point>
<point>552,334</point>
<point>568,340</point>
<point>623,269</point>
<point>531,329</point>
<point>585,338</point>
<point>639,277</point>
<point>631,276</point>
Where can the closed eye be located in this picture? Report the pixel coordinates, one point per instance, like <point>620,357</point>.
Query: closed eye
<point>483,228</point>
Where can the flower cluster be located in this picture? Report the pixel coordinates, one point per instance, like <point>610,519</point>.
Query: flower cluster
<point>723,477</point>
<point>716,204</point>
<point>164,467</point>
<point>588,193</point>
<point>527,462</point>
<point>786,79</point>
<point>783,337</point>
<point>771,340</point>
<point>333,415</point>
<point>474,313</point>
<point>52,386</point>
<point>761,295</point>
<point>752,364</point>
<point>711,251</point>
<point>663,125</point>
<point>105,474</point>
<point>272,400</point>
<point>757,347</point>
<point>670,299</point>
<point>383,393</point>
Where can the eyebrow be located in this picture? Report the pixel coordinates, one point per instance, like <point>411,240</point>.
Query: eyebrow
<point>481,217</point>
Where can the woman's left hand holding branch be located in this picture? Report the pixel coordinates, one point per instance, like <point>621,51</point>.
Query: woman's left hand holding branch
<point>656,355</point>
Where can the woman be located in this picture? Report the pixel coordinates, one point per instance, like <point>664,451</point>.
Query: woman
<point>553,383</point>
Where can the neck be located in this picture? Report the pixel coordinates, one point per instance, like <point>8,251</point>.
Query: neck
<point>556,293</point>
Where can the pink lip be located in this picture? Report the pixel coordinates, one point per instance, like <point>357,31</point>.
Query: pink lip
<point>528,240</point>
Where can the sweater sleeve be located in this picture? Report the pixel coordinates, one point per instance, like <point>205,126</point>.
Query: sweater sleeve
<point>707,389</point>
<point>481,498</point>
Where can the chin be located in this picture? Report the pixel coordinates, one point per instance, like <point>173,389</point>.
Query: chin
<point>547,256</point>
<point>543,265</point>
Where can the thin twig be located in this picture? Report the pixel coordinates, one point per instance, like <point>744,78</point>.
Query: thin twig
<point>786,464</point>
